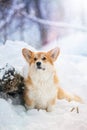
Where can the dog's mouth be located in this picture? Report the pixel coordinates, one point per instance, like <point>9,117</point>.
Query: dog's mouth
<point>40,68</point>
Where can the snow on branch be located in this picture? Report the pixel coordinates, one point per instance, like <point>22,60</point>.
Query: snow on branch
<point>15,10</point>
<point>53,23</point>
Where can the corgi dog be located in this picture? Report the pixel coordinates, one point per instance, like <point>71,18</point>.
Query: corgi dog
<point>42,85</point>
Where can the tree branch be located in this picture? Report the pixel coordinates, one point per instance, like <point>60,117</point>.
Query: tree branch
<point>12,13</point>
<point>53,23</point>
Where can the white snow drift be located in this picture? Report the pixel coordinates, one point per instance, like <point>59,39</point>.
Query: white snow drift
<point>72,71</point>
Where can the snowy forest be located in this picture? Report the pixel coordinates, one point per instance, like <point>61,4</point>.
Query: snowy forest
<point>39,22</point>
<point>41,25</point>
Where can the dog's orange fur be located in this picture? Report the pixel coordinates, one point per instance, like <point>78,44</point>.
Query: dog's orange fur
<point>37,86</point>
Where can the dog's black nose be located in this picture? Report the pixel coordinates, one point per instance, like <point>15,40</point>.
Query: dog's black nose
<point>38,64</point>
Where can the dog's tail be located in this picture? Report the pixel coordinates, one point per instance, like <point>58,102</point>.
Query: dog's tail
<point>62,94</point>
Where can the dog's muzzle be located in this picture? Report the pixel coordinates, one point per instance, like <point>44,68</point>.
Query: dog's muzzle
<point>38,64</point>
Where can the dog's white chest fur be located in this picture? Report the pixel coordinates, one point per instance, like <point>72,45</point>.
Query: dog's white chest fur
<point>43,90</point>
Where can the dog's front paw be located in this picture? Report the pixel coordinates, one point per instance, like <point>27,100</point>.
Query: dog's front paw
<point>29,107</point>
<point>50,108</point>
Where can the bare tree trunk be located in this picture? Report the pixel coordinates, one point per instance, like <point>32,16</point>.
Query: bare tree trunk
<point>5,29</point>
<point>5,35</point>
<point>47,33</point>
<point>42,28</point>
<point>22,28</point>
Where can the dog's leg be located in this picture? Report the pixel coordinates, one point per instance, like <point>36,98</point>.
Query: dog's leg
<point>51,105</point>
<point>29,103</point>
<point>62,94</point>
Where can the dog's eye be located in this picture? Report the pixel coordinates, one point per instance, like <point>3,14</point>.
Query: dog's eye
<point>44,58</point>
<point>35,59</point>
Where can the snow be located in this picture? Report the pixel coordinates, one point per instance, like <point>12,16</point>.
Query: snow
<point>72,71</point>
<point>11,53</point>
<point>75,44</point>
<point>4,69</point>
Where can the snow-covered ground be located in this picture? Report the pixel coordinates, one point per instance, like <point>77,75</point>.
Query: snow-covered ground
<point>72,71</point>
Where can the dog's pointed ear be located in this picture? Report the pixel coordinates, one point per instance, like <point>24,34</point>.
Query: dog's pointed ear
<point>27,54</point>
<point>54,53</point>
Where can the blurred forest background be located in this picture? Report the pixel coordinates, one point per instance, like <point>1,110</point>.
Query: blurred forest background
<point>39,22</point>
